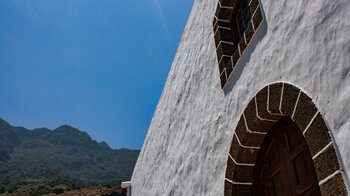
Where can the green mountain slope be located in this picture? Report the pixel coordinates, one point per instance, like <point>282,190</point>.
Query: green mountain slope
<point>61,156</point>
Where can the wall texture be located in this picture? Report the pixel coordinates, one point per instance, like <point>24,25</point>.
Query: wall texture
<point>306,43</point>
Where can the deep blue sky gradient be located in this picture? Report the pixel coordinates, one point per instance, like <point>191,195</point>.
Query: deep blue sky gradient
<point>97,65</point>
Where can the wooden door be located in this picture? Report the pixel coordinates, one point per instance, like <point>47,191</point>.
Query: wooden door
<point>284,165</point>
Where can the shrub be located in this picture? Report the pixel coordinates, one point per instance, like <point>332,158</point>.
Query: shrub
<point>58,191</point>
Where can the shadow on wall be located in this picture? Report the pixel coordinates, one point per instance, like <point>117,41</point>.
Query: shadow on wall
<point>260,34</point>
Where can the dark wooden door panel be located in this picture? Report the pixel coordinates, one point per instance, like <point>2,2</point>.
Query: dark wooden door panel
<point>284,165</point>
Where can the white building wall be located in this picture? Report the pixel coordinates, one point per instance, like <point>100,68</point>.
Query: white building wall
<point>306,43</point>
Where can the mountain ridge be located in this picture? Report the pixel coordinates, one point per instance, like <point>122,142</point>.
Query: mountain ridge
<point>64,154</point>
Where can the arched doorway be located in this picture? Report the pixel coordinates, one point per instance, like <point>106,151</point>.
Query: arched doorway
<point>284,164</point>
<point>264,111</point>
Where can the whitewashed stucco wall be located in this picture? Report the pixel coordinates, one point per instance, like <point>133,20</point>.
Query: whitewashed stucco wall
<point>307,43</point>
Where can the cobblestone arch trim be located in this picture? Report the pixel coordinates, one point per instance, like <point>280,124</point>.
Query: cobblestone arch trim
<point>270,104</point>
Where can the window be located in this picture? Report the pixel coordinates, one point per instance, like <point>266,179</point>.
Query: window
<point>240,21</point>
<point>235,23</point>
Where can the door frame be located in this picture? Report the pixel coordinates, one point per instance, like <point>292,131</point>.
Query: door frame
<point>271,103</point>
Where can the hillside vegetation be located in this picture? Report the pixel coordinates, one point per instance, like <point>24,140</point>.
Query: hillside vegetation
<point>43,159</point>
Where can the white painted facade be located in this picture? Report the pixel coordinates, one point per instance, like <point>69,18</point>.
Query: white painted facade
<point>305,43</point>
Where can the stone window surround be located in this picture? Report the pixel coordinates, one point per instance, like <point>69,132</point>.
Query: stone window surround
<point>228,53</point>
<point>270,104</point>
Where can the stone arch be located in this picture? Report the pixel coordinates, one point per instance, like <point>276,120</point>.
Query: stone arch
<point>270,104</point>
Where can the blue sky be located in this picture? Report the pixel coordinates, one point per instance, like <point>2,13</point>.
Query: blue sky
<point>97,65</point>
